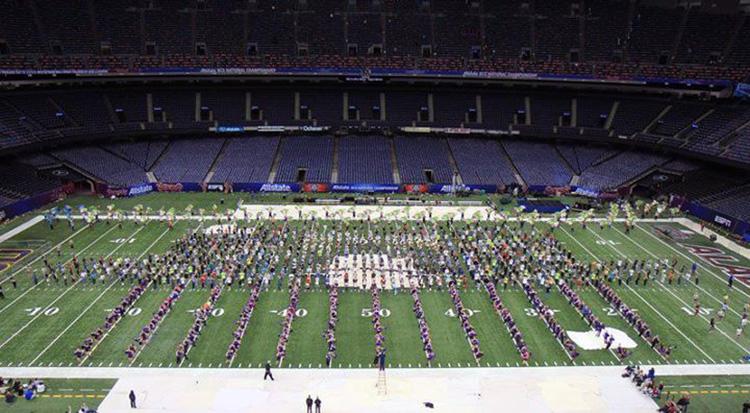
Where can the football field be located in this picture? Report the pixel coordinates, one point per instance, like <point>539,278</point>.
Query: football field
<point>42,323</point>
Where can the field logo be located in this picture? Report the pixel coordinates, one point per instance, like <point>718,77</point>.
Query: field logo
<point>10,256</point>
<point>720,259</point>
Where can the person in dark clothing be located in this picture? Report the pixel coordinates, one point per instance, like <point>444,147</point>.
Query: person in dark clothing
<point>309,403</point>
<point>2,294</point>
<point>317,404</point>
<point>132,399</point>
<point>268,372</point>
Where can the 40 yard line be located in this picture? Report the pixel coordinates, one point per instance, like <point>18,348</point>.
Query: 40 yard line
<point>72,323</point>
<point>14,335</point>
<point>644,300</point>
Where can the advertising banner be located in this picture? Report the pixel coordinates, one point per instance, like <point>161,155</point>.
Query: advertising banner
<point>366,188</point>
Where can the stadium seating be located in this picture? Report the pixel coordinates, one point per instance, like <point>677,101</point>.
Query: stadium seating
<point>618,170</point>
<point>417,155</point>
<point>187,160</point>
<point>314,154</point>
<point>538,163</point>
<point>246,160</point>
<point>364,159</point>
<point>481,162</point>
<point>102,164</point>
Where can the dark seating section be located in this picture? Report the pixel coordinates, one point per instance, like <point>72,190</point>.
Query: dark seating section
<point>609,38</point>
<point>423,160</point>
<point>538,163</point>
<point>19,181</point>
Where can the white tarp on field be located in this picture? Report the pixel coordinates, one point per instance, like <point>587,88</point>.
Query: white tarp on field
<point>589,340</point>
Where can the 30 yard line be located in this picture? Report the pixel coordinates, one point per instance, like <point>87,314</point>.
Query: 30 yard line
<point>63,293</point>
<point>153,333</point>
<point>121,318</point>
<point>28,290</point>
<point>644,300</point>
<point>85,310</point>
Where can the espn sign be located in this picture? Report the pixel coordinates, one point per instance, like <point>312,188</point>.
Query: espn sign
<point>723,221</point>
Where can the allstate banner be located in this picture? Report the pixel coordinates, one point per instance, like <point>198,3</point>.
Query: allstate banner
<point>140,189</point>
<point>279,188</point>
<point>449,189</point>
<point>364,188</point>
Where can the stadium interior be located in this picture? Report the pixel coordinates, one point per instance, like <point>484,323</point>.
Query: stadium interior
<point>565,104</point>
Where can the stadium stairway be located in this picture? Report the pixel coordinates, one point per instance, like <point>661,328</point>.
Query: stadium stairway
<point>681,134</point>
<point>573,176</point>
<point>335,166</point>
<point>158,160</point>
<point>656,119</point>
<point>394,162</point>
<point>452,162</point>
<point>212,169</point>
<point>612,114</point>
<point>516,173</point>
<point>276,162</point>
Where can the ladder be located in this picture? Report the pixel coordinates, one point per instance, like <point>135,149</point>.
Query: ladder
<point>381,386</point>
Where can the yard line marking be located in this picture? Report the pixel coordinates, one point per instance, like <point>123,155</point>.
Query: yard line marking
<point>85,310</point>
<point>131,305</point>
<point>28,290</point>
<point>698,261</point>
<point>43,255</point>
<point>664,287</point>
<point>644,300</point>
<point>153,333</point>
<point>652,307</point>
<point>655,256</point>
<point>50,304</point>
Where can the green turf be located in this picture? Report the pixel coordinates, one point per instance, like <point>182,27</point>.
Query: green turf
<point>707,393</point>
<point>62,394</point>
<point>42,324</point>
